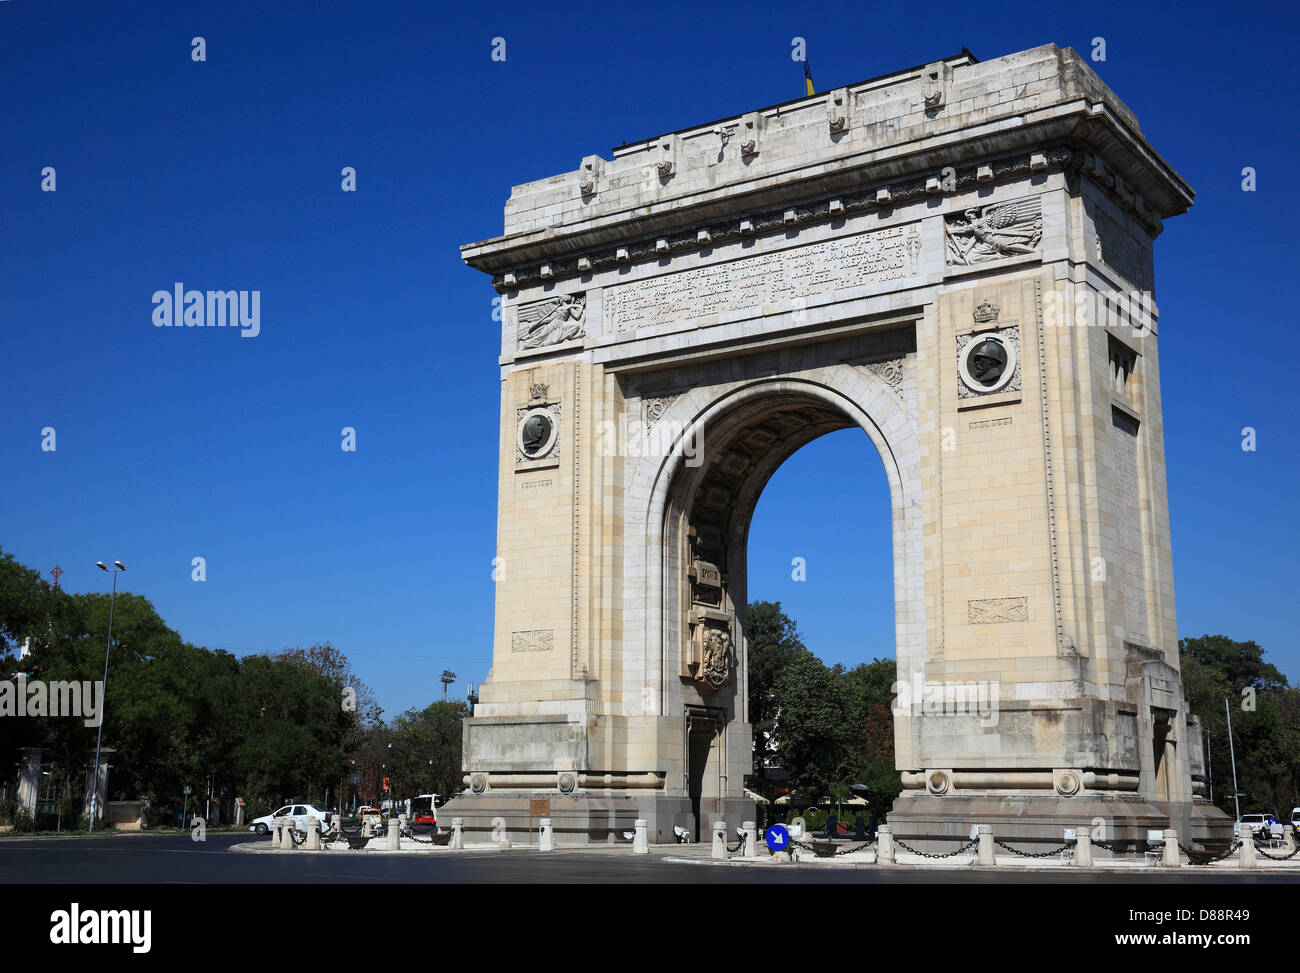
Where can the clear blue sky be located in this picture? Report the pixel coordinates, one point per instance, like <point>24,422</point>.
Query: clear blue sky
<point>177,443</point>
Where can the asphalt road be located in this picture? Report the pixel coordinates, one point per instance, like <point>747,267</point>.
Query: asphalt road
<point>154,859</point>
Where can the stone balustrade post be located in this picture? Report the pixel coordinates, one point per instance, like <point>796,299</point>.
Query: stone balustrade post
<point>720,840</point>
<point>885,845</point>
<point>1170,858</point>
<point>1083,848</point>
<point>984,834</point>
<point>640,842</point>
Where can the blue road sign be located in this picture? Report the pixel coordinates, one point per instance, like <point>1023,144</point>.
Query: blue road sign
<point>778,838</point>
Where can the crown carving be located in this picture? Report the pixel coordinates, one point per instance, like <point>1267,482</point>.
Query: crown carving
<point>986,312</point>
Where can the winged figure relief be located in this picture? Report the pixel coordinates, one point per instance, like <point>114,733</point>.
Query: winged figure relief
<point>554,320</point>
<point>1000,230</point>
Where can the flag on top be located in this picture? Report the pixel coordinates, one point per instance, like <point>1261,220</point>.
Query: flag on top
<point>807,79</point>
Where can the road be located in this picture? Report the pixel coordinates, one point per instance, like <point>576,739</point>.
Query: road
<point>154,859</point>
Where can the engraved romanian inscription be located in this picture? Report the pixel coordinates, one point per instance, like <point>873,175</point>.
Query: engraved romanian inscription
<point>772,278</point>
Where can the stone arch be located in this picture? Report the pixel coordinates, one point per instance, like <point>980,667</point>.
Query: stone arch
<point>837,396</point>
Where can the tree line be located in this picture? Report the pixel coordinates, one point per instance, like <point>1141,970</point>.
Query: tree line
<point>293,725</point>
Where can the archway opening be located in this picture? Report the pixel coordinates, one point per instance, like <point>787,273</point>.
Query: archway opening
<point>707,535</point>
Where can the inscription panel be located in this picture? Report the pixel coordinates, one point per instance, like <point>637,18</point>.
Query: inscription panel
<point>785,276</point>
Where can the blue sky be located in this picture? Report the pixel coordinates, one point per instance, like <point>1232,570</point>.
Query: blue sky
<point>177,443</point>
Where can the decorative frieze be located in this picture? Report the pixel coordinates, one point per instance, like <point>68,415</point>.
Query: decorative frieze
<point>552,321</point>
<point>653,408</point>
<point>993,611</point>
<point>985,233</point>
<point>537,640</point>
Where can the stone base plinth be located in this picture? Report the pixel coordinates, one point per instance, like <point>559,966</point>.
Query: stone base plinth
<point>587,819</point>
<point>1035,823</point>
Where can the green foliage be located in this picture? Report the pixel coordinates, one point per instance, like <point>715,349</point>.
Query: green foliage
<point>828,727</point>
<point>1267,739</point>
<point>273,728</point>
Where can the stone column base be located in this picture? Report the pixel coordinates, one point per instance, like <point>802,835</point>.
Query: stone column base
<point>1036,823</point>
<point>587,819</point>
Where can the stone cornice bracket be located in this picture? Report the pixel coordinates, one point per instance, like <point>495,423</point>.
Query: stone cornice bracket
<point>589,173</point>
<point>666,157</point>
<point>837,111</point>
<point>805,213</point>
<point>748,133</point>
<point>936,79</point>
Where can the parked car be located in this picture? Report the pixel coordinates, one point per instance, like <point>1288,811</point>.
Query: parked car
<point>1258,823</point>
<point>366,811</point>
<point>299,812</point>
<point>1295,817</point>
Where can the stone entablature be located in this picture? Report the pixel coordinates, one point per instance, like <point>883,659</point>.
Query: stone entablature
<point>1034,111</point>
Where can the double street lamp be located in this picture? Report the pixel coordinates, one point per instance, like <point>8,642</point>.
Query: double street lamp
<point>94,781</point>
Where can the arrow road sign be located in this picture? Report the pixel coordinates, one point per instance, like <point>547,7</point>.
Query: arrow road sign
<point>778,838</point>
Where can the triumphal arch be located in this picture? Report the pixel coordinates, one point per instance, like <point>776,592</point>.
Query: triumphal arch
<point>955,259</point>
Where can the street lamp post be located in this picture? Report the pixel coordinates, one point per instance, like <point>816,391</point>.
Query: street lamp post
<point>118,567</point>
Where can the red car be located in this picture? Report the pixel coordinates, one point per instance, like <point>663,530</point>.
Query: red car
<point>425,817</point>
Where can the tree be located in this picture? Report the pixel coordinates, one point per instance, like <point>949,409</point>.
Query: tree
<point>812,725</point>
<point>870,759</point>
<point>774,644</point>
<point>1216,668</point>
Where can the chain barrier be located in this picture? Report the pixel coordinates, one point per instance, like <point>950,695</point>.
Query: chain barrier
<point>294,833</point>
<point>1032,854</point>
<point>408,833</point>
<point>1278,858</point>
<point>1114,847</point>
<point>952,854</point>
<point>1205,857</point>
<point>739,844</point>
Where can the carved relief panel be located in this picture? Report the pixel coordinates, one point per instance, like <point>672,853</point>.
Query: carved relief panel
<point>708,651</point>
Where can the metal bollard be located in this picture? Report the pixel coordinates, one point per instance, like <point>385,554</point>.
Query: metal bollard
<point>720,840</point>
<point>547,840</point>
<point>313,834</point>
<point>394,842</point>
<point>457,833</point>
<point>1246,854</point>
<point>984,833</point>
<point>1170,858</point>
<point>1083,848</point>
<point>885,845</point>
<point>640,843</point>
<point>751,838</point>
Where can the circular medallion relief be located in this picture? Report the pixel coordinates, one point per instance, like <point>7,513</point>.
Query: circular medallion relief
<point>987,363</point>
<point>537,433</point>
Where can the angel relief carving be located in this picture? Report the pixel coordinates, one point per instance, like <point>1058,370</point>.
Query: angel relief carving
<point>551,321</point>
<point>992,232</point>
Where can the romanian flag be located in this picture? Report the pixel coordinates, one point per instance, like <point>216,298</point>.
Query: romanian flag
<point>807,79</point>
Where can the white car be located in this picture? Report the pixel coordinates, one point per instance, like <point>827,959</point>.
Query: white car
<point>299,812</point>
